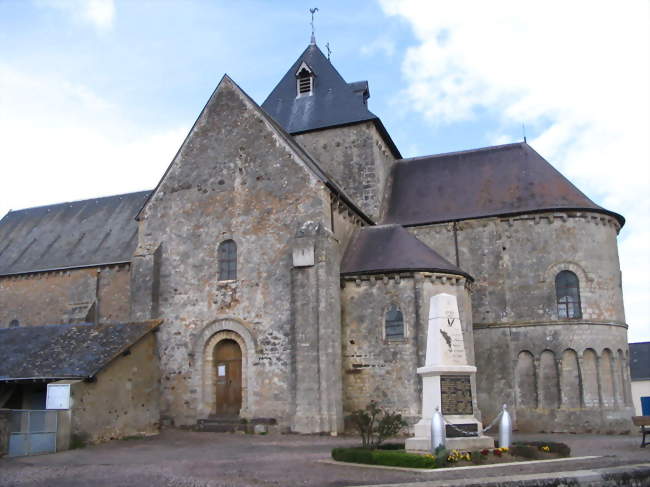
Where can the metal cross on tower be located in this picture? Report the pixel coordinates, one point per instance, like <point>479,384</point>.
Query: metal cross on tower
<point>313,11</point>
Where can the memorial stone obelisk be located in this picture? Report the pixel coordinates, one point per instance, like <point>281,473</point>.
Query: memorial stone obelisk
<point>447,382</point>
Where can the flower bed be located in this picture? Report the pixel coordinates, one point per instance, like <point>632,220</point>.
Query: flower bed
<point>394,456</point>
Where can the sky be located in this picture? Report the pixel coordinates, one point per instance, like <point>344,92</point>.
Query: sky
<point>96,96</point>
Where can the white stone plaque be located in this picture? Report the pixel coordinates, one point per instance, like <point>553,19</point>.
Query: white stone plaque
<point>58,396</point>
<point>303,255</point>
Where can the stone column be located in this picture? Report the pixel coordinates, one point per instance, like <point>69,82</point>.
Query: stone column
<point>316,312</point>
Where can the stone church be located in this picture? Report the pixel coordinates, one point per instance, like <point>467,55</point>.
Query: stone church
<point>287,258</point>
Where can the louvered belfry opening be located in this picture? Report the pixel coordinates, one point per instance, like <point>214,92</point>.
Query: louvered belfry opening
<point>304,82</point>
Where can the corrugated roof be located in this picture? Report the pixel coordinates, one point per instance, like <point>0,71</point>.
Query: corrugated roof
<point>391,248</point>
<point>68,235</point>
<point>500,180</point>
<point>65,351</point>
<point>640,361</point>
<point>334,102</point>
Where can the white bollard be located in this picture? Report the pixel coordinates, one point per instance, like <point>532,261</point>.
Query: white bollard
<point>437,431</point>
<point>505,429</point>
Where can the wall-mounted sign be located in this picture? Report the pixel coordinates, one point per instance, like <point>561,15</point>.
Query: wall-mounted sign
<point>303,255</point>
<point>221,370</point>
<point>58,396</point>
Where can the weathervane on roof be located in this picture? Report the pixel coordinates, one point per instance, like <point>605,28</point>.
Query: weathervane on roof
<point>313,11</point>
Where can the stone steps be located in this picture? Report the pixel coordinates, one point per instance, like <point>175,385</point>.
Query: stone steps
<point>216,424</point>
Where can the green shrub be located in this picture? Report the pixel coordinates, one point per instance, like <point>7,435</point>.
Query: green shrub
<point>391,446</point>
<point>375,424</point>
<point>442,456</point>
<point>134,437</point>
<point>392,458</point>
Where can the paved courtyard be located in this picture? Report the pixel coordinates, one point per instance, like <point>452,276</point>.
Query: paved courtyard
<point>182,458</point>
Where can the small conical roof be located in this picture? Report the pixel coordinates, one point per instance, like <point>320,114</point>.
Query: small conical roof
<point>333,102</point>
<point>390,248</point>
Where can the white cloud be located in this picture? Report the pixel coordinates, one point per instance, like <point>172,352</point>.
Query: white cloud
<point>99,13</point>
<point>61,141</point>
<point>577,69</point>
<point>379,46</point>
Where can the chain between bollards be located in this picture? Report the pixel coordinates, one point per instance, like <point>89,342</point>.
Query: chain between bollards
<point>438,431</point>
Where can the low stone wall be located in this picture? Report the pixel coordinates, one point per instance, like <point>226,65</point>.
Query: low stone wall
<point>4,432</point>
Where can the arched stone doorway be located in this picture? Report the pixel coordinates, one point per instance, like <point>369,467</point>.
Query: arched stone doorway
<point>206,350</point>
<point>228,384</point>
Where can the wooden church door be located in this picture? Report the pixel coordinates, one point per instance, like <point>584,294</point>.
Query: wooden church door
<point>227,358</point>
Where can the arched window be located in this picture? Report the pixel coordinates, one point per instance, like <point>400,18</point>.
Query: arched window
<point>394,325</point>
<point>567,290</point>
<point>227,260</point>
<point>14,324</point>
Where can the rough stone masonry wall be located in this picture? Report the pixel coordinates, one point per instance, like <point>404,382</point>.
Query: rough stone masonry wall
<point>65,296</point>
<point>375,368</point>
<point>357,157</point>
<point>234,178</point>
<point>124,398</point>
<point>517,328</point>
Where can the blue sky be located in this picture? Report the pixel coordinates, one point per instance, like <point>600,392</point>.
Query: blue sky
<point>97,95</point>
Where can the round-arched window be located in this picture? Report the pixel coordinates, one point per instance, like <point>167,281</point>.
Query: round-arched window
<point>567,291</point>
<point>227,255</point>
<point>394,324</point>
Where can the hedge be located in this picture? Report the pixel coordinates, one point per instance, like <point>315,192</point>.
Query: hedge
<point>391,458</point>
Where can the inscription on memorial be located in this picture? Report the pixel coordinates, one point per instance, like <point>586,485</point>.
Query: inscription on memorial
<point>456,394</point>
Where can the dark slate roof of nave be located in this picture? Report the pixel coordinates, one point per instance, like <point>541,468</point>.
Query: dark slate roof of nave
<point>640,361</point>
<point>499,180</point>
<point>67,351</point>
<point>390,248</point>
<point>68,235</point>
<point>334,101</point>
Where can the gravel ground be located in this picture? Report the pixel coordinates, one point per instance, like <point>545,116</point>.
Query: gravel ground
<point>190,459</point>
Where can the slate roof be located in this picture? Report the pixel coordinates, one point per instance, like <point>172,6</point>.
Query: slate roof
<point>71,351</point>
<point>640,361</point>
<point>500,180</point>
<point>68,235</point>
<point>391,248</point>
<point>334,102</point>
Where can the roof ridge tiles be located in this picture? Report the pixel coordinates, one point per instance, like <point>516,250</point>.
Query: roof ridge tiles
<point>467,151</point>
<point>85,200</point>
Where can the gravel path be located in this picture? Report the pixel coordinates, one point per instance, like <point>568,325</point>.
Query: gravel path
<point>190,459</point>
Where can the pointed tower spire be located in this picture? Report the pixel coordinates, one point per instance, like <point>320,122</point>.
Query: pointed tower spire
<point>313,37</point>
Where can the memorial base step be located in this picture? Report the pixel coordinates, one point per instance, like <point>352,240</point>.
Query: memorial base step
<point>423,444</point>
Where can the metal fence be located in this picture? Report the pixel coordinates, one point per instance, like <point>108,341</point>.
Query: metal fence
<point>32,432</point>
